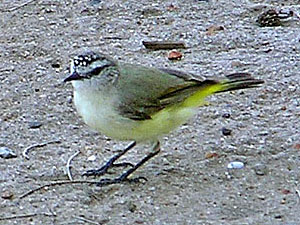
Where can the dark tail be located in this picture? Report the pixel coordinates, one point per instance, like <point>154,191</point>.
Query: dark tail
<point>237,81</point>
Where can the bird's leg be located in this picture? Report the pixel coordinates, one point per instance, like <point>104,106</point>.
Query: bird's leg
<point>124,176</point>
<point>111,163</point>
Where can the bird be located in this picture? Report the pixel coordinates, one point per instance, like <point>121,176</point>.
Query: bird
<point>131,102</point>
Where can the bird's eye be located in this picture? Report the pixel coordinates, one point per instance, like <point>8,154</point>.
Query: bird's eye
<point>95,71</point>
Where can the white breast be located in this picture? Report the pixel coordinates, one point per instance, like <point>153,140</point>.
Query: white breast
<point>98,111</point>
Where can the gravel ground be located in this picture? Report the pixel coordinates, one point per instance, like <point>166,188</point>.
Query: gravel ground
<point>188,183</point>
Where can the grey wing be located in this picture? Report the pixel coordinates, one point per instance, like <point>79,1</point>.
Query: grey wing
<point>141,99</point>
<point>135,113</point>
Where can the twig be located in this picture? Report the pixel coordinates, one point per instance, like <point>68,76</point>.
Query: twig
<point>157,45</point>
<point>69,165</point>
<point>86,220</point>
<point>19,6</point>
<point>21,216</point>
<point>55,183</point>
<point>26,150</point>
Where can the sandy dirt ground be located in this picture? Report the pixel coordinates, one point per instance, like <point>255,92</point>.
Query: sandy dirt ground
<point>188,183</point>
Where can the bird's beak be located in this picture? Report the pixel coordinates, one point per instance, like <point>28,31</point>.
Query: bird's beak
<point>73,76</point>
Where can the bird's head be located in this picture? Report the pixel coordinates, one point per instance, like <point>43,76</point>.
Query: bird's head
<point>88,65</point>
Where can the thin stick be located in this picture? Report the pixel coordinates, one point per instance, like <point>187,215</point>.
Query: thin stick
<point>85,220</point>
<point>69,165</point>
<point>55,183</point>
<point>19,6</point>
<point>21,216</point>
<point>26,150</point>
<point>158,45</point>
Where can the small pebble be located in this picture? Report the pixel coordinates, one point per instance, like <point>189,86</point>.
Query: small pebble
<point>91,158</point>
<point>7,153</point>
<point>34,124</point>
<point>131,206</point>
<point>210,155</point>
<point>7,195</point>
<point>152,189</point>
<point>261,197</point>
<point>237,64</point>
<point>69,99</point>
<point>235,165</point>
<point>95,2</point>
<point>286,191</point>
<point>283,108</point>
<point>55,65</point>
<point>172,7</point>
<point>263,133</point>
<point>292,88</point>
<point>283,201</point>
<point>174,55</point>
<point>260,169</point>
<point>214,29</point>
<point>226,115</point>
<point>226,131</point>
<point>285,13</point>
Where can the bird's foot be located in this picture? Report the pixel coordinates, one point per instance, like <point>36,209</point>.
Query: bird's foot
<point>111,163</point>
<point>125,176</point>
<point>104,169</point>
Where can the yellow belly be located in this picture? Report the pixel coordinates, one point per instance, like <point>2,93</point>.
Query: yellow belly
<point>160,124</point>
